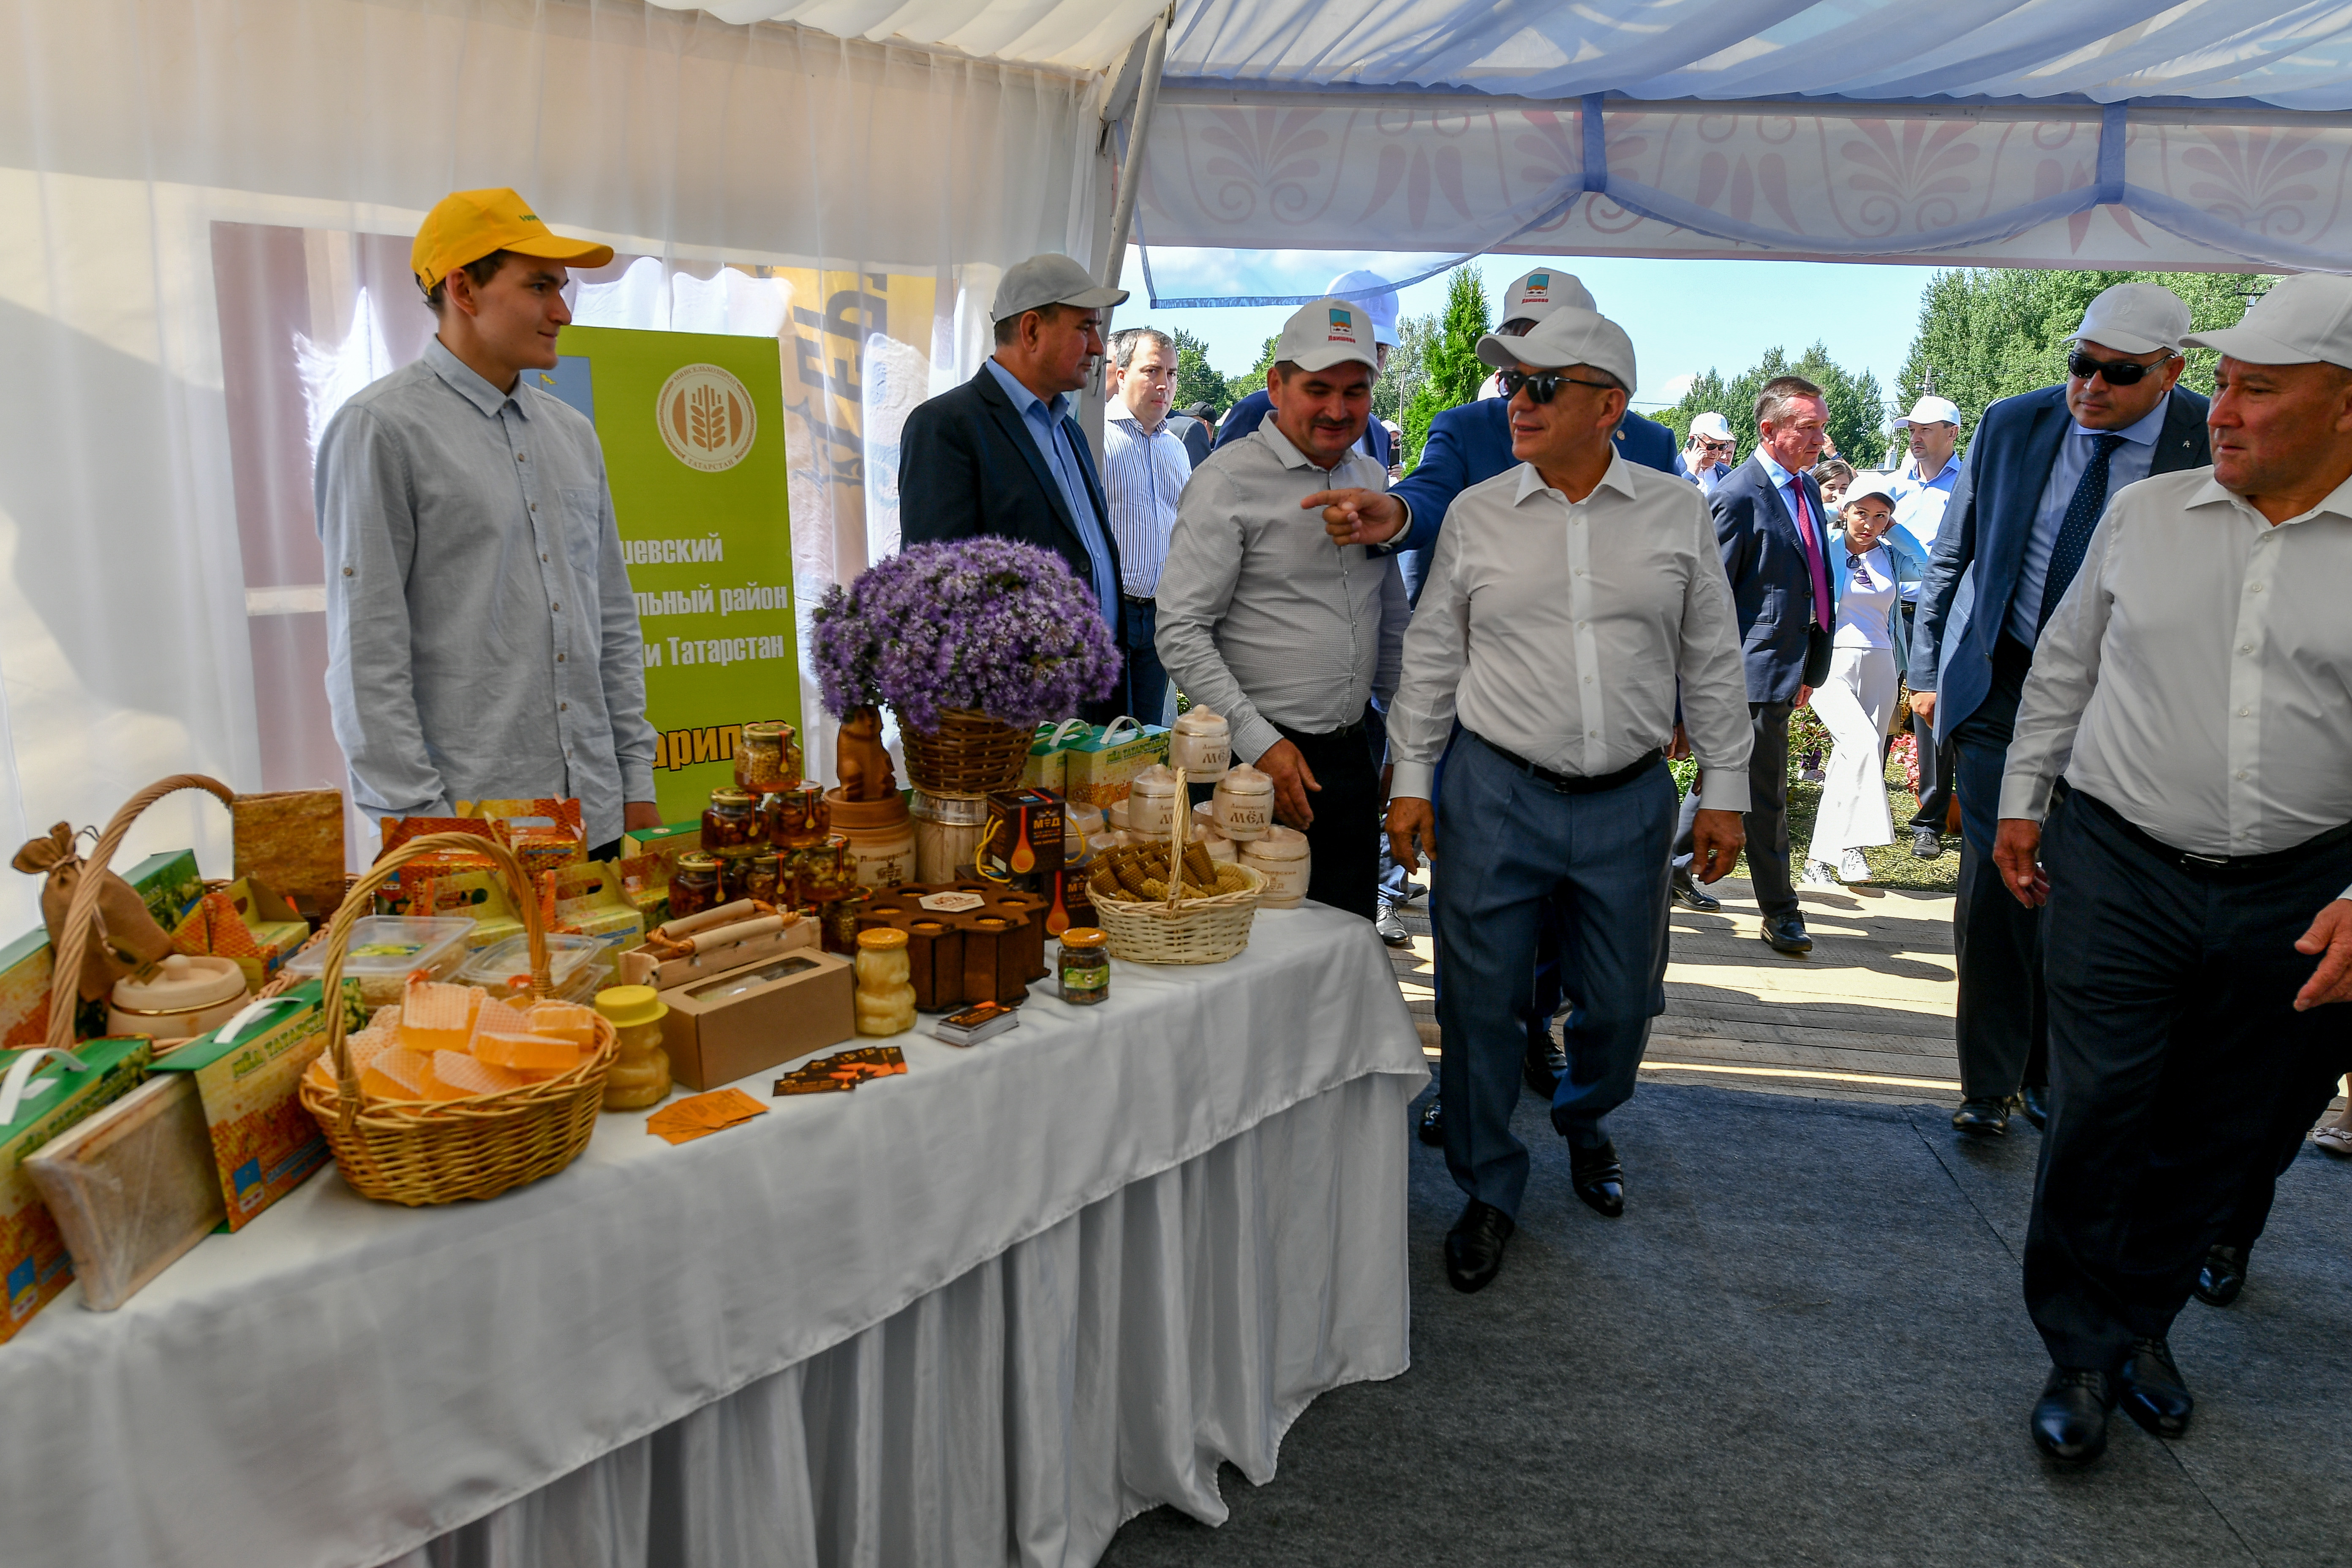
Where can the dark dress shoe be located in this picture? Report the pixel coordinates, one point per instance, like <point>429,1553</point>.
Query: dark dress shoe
<point>2034,1101</point>
<point>2222,1276</point>
<point>1433,1123</point>
<point>1691,896</point>
<point>1544,1064</point>
<point>1787,933</point>
<point>1473,1247</point>
<point>1926,844</point>
<point>2070,1419</point>
<point>1599,1178</point>
<point>2154,1394</point>
<point>1982,1118</point>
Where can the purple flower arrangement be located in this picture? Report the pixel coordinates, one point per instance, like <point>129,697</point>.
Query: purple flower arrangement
<point>985,623</point>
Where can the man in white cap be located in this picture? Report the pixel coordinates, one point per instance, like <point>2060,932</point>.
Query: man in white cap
<point>2178,801</point>
<point>1923,491</point>
<point>1706,455</point>
<point>2039,472</point>
<point>1369,292</point>
<point>1002,454</point>
<point>1571,598</point>
<point>1264,620</point>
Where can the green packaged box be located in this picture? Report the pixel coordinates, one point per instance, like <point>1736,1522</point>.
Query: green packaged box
<point>1099,765</point>
<point>170,883</point>
<point>34,1265</point>
<point>264,1143</point>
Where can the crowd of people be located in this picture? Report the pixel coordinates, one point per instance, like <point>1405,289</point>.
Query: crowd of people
<point>2144,722</point>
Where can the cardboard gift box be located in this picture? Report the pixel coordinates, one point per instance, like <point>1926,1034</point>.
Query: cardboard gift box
<point>478,895</point>
<point>34,1264</point>
<point>755,1018</point>
<point>647,858</point>
<point>1097,769</point>
<point>293,839</point>
<point>264,1143</point>
<point>1046,767</point>
<point>247,922</point>
<point>588,899</point>
<point>545,833</point>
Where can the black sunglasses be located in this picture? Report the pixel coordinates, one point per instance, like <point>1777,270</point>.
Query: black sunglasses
<point>2118,372</point>
<point>1545,384</point>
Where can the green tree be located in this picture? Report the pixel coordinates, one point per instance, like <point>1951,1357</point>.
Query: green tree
<point>1196,382</point>
<point>1240,386</point>
<point>1404,367</point>
<point>1856,406</point>
<point>1451,369</point>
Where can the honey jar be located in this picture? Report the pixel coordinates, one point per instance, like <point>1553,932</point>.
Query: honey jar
<point>641,1076</point>
<point>760,876</point>
<point>769,757</point>
<point>730,823</point>
<point>1243,804</point>
<point>694,885</point>
<point>886,988</point>
<point>1201,744</point>
<point>1085,966</point>
<point>795,814</point>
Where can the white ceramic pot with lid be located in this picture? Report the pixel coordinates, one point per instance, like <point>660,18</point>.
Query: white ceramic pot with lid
<point>1281,854</point>
<point>179,998</point>
<point>1243,804</point>
<point>1201,744</point>
<point>1152,802</point>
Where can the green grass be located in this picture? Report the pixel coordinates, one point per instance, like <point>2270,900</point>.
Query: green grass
<point>1891,865</point>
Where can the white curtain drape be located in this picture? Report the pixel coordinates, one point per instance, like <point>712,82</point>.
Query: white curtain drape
<point>208,206</point>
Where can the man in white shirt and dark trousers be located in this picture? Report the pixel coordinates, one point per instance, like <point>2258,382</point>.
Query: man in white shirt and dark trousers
<point>2194,688</point>
<point>1567,596</point>
<point>1923,482</point>
<point>1145,465</point>
<point>1264,620</point>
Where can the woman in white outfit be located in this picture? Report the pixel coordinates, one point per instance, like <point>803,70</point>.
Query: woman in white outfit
<point>1855,703</point>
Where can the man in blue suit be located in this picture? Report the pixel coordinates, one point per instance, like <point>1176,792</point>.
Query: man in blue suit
<point>1251,412</point>
<point>1774,531</point>
<point>2037,477</point>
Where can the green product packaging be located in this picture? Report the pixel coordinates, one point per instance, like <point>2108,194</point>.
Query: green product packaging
<point>1099,767</point>
<point>34,1267</point>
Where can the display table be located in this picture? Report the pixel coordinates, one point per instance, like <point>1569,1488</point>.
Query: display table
<point>979,1313</point>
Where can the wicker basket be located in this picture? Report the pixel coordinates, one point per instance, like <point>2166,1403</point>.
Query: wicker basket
<point>969,753</point>
<point>437,1151</point>
<point>1186,930</point>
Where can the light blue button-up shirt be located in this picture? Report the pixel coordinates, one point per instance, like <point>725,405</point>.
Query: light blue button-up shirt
<point>2130,463</point>
<point>482,641</point>
<point>1143,473</point>
<point>1919,503</point>
<point>1044,422</point>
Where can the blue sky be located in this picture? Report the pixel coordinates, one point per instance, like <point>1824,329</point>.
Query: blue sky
<point>1684,317</point>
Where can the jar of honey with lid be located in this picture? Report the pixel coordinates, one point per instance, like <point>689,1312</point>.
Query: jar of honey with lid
<point>731,824</point>
<point>694,885</point>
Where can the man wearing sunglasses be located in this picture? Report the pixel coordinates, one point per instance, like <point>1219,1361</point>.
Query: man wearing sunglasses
<point>2038,475</point>
<point>1707,457</point>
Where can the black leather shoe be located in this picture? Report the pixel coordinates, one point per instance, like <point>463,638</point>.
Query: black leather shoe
<point>2154,1394</point>
<point>1926,844</point>
<point>1432,1122</point>
<point>1599,1178</point>
<point>1787,933</point>
<point>1983,1118</point>
<point>1473,1247</point>
<point>2070,1419</point>
<point>1691,896</point>
<point>2221,1277</point>
<point>1544,1064</point>
<point>2034,1101</point>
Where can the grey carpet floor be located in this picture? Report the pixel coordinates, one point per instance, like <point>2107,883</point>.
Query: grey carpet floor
<point>1803,1343</point>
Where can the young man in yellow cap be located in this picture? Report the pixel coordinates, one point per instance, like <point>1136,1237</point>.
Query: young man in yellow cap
<point>481,637</point>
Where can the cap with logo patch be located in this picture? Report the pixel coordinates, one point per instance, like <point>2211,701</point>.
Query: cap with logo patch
<point>1532,296</point>
<point>466,225</point>
<point>1327,332</point>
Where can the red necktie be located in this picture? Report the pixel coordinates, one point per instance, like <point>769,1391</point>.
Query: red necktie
<point>1821,610</point>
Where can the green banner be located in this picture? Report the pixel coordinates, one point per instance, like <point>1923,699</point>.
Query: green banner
<point>693,429</point>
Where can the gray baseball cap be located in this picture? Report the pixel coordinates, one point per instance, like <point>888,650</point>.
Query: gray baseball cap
<point>1051,279</point>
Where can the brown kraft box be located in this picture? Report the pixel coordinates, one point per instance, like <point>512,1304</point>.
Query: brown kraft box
<point>758,1017</point>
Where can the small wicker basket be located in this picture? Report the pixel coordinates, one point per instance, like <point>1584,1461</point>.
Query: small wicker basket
<point>970,753</point>
<point>437,1151</point>
<point>1182,930</point>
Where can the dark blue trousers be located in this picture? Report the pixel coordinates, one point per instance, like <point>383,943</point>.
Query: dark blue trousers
<point>1513,845</point>
<point>2001,1021</point>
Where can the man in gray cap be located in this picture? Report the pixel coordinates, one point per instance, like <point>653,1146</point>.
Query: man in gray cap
<point>1002,454</point>
<point>2178,801</point>
<point>2038,474</point>
<point>1570,598</point>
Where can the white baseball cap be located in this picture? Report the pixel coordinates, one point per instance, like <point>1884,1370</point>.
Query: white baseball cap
<point>2304,320</point>
<point>1712,425</point>
<point>1566,336</point>
<point>1932,410</point>
<point>2136,319</point>
<point>1327,332</point>
<point>1870,482</point>
<point>1381,307</point>
<point>1050,280</point>
<point>1532,296</point>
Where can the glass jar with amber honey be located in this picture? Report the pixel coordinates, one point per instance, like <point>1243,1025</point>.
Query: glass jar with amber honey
<point>769,758</point>
<point>731,824</point>
<point>761,877</point>
<point>795,814</point>
<point>694,885</point>
<point>819,873</point>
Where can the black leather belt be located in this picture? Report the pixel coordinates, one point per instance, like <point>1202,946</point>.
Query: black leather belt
<point>1574,783</point>
<point>2218,867</point>
<point>1139,598</point>
<point>1344,732</point>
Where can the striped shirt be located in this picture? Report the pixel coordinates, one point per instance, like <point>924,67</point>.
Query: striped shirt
<point>1143,473</point>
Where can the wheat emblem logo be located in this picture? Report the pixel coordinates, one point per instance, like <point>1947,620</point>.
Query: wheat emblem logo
<point>706,418</point>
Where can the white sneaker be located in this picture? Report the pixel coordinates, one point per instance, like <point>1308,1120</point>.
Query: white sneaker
<point>1853,868</point>
<point>1821,874</point>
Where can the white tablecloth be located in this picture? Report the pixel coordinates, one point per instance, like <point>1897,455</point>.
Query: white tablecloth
<point>981,1312</point>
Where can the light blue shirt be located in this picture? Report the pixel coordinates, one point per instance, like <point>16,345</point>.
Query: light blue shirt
<point>1044,421</point>
<point>1143,473</point>
<point>1919,503</point>
<point>482,640</point>
<point>2129,465</point>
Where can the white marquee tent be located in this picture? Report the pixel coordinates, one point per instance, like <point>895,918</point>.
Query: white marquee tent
<point>206,206</point>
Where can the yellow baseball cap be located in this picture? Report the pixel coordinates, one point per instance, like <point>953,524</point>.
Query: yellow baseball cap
<point>466,225</point>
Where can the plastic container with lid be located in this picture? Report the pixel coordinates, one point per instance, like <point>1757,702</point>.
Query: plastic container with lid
<point>642,1075</point>
<point>496,967</point>
<point>183,997</point>
<point>1244,803</point>
<point>1152,802</point>
<point>1201,744</point>
<point>1281,854</point>
<point>385,950</point>
<point>886,983</point>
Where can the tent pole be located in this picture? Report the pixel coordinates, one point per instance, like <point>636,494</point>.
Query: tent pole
<point>1147,98</point>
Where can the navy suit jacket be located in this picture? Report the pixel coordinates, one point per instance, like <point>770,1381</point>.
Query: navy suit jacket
<point>1771,582</point>
<point>1250,412</point>
<point>968,466</point>
<point>1471,444</point>
<point>1964,601</point>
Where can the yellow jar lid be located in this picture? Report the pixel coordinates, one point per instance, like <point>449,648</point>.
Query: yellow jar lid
<point>626,1006</point>
<point>882,937</point>
<point>1085,936</point>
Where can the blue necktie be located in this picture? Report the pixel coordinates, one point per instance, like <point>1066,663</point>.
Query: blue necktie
<point>2074,530</point>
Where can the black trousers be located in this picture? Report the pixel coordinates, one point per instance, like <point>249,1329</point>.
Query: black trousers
<point>1767,819</point>
<point>2176,1058</point>
<point>2001,1019</point>
<point>1937,764</point>
<point>1343,841</point>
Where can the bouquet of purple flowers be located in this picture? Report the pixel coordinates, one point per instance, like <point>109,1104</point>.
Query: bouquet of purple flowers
<point>986,625</point>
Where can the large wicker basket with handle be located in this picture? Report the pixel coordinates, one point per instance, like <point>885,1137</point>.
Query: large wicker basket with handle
<point>437,1151</point>
<point>1176,929</point>
<point>969,753</point>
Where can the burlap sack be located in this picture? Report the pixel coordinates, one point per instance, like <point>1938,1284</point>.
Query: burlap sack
<point>128,937</point>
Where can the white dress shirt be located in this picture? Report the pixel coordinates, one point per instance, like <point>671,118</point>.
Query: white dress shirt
<point>1261,618</point>
<point>2197,675</point>
<point>1143,474</point>
<point>1557,629</point>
